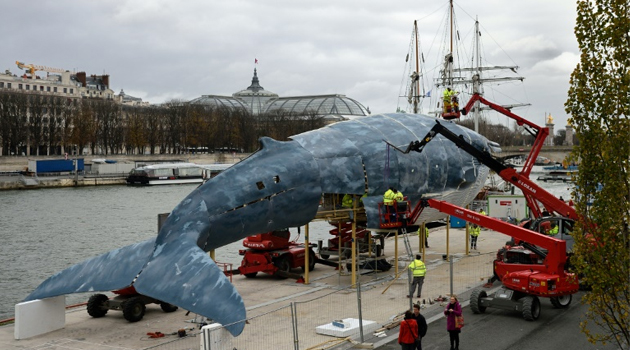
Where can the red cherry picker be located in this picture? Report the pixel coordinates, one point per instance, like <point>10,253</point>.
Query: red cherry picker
<point>523,286</point>
<point>536,264</point>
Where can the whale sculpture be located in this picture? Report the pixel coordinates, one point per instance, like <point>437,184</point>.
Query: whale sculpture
<point>278,186</point>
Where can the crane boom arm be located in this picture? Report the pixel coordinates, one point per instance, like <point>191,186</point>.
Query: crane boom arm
<point>556,248</point>
<point>531,190</point>
<point>32,68</point>
<point>538,132</point>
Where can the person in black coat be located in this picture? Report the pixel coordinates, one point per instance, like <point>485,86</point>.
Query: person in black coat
<point>422,325</point>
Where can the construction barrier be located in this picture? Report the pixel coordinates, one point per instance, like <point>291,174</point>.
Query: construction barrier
<point>339,314</point>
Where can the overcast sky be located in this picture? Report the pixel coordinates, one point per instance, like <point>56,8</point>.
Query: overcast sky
<point>161,50</point>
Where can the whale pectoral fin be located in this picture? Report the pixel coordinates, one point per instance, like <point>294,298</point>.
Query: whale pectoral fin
<point>110,271</point>
<point>182,274</point>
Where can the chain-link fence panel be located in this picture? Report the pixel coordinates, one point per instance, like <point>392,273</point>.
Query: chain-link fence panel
<point>269,330</point>
<point>312,317</point>
<point>344,314</point>
<point>332,313</point>
<point>469,271</point>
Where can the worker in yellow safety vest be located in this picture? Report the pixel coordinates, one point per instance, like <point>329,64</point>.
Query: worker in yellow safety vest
<point>346,201</point>
<point>418,269</point>
<point>426,236</point>
<point>389,211</point>
<point>401,205</point>
<point>388,197</point>
<point>451,103</point>
<point>553,230</point>
<point>474,234</point>
<point>447,96</point>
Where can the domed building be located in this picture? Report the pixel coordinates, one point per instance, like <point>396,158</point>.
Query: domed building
<point>256,100</point>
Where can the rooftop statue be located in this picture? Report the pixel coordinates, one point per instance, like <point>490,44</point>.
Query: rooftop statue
<point>278,186</point>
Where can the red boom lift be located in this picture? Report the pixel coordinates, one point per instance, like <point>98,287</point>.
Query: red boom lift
<point>522,287</point>
<point>536,264</point>
<point>534,194</point>
<point>273,253</point>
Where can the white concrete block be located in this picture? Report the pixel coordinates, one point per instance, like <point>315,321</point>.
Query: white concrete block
<point>215,337</point>
<point>38,317</point>
<point>350,331</point>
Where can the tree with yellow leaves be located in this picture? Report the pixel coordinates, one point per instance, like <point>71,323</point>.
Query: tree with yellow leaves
<point>599,105</point>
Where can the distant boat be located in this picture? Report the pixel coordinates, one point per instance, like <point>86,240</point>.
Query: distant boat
<point>515,161</point>
<point>173,173</point>
<point>212,170</point>
<point>559,173</point>
<point>543,161</point>
<point>561,168</point>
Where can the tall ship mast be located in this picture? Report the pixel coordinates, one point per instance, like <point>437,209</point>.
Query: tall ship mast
<point>462,79</point>
<point>415,86</point>
<point>477,78</point>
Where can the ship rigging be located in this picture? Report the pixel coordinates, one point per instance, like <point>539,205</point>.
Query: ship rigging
<point>464,74</point>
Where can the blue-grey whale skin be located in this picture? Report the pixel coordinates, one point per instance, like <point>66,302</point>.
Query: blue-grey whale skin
<point>278,186</point>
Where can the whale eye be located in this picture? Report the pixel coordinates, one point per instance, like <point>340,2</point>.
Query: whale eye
<point>276,179</point>
<point>260,185</point>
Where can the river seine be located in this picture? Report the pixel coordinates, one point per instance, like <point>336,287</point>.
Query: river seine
<point>44,231</point>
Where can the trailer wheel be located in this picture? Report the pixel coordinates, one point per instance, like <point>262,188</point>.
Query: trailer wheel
<point>311,261</point>
<point>531,308</point>
<point>166,307</point>
<point>251,274</point>
<point>475,301</point>
<point>283,264</point>
<point>97,305</point>
<point>133,309</point>
<point>324,256</point>
<point>562,302</point>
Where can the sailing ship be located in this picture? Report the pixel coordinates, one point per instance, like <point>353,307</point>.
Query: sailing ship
<point>452,75</point>
<point>460,75</point>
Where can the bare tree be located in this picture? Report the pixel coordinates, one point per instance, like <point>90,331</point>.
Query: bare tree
<point>54,124</point>
<point>83,127</point>
<point>136,129</point>
<point>13,112</point>
<point>175,125</point>
<point>68,109</point>
<point>35,122</point>
<point>107,122</point>
<point>153,127</point>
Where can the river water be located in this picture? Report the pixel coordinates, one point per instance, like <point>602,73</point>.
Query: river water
<point>47,230</point>
<point>44,231</point>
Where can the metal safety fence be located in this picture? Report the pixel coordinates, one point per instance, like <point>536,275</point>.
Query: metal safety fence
<point>373,305</point>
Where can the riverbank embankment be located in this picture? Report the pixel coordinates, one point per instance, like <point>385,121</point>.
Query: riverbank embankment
<point>14,175</point>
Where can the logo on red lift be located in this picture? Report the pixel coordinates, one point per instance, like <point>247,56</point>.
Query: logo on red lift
<point>533,190</point>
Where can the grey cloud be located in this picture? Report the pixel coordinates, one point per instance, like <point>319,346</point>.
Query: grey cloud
<point>186,49</point>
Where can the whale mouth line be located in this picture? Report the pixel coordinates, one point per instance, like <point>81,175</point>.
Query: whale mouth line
<point>266,198</point>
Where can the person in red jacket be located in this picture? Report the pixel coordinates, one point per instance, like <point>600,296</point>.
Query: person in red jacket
<point>452,310</point>
<point>408,332</point>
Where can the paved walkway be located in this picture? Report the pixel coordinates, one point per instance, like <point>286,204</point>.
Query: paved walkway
<point>326,298</point>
